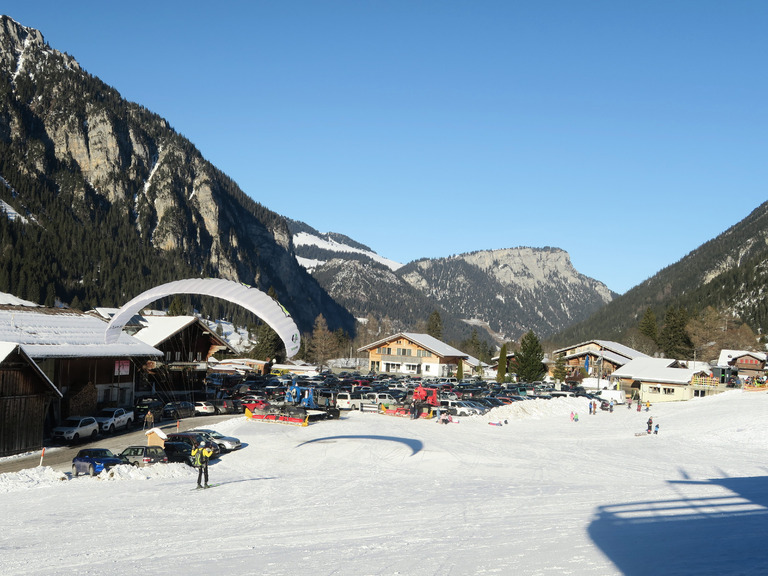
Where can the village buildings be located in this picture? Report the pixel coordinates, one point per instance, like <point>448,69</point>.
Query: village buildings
<point>414,354</point>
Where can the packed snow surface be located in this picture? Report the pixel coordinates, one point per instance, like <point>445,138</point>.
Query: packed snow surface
<point>544,493</point>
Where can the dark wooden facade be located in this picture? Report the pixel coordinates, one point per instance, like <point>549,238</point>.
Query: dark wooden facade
<point>25,398</point>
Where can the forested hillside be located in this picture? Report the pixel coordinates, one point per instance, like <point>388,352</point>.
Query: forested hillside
<point>728,273</point>
<point>113,200</point>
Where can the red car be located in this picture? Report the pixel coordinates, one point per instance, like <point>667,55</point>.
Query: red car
<point>256,405</point>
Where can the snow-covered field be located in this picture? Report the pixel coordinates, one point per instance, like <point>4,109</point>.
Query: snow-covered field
<point>373,494</point>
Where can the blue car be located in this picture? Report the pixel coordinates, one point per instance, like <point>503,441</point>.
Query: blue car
<point>92,461</point>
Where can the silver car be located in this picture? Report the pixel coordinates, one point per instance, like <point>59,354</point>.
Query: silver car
<point>226,443</point>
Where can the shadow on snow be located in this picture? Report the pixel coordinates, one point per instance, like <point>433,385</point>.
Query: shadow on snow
<point>413,444</point>
<point>721,532</point>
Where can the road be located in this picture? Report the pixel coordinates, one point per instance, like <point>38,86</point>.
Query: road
<point>59,456</point>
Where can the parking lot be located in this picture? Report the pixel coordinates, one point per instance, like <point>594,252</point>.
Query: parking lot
<point>59,456</point>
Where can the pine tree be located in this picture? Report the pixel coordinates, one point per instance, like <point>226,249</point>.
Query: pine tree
<point>674,339</point>
<point>435,325</point>
<point>559,372</point>
<point>528,361</point>
<point>178,308</point>
<point>648,326</point>
<point>268,344</point>
<point>460,370</point>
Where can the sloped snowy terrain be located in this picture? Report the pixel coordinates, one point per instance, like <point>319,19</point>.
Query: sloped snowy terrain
<point>374,494</point>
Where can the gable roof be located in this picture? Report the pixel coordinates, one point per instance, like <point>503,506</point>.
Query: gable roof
<point>58,333</point>
<point>424,340</point>
<point>157,329</point>
<point>656,370</point>
<point>606,345</point>
<point>9,348</point>
<point>728,357</point>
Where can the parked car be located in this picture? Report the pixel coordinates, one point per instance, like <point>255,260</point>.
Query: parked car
<point>76,427</point>
<point>148,405</point>
<point>110,419</point>
<point>176,410</point>
<point>193,439</point>
<point>144,455</point>
<point>226,406</point>
<point>179,452</point>
<point>256,405</point>
<point>92,461</point>
<point>349,400</point>
<point>226,443</point>
<point>203,407</point>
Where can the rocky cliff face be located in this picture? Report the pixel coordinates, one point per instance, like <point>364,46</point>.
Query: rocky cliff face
<point>67,130</point>
<point>512,290</point>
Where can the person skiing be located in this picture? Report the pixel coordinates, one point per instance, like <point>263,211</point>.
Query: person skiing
<point>650,424</point>
<point>656,429</point>
<point>200,456</point>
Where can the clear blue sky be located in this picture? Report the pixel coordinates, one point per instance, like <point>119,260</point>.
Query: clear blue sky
<point>626,133</point>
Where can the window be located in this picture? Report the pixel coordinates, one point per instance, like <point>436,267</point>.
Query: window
<point>654,390</point>
<point>426,367</point>
<point>669,390</point>
<point>423,353</point>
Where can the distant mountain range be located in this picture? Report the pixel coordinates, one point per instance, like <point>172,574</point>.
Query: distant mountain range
<point>504,292</point>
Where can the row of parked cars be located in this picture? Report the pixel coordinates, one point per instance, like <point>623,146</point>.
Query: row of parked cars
<point>177,448</point>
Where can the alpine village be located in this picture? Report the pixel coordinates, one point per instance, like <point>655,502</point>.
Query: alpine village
<point>101,233</point>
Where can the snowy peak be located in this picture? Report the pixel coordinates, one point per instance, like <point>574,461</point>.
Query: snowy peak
<point>315,248</point>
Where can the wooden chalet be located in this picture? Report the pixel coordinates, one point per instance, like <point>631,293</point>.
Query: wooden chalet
<point>598,357</point>
<point>414,354</point>
<point>186,344</point>
<point>743,363</point>
<point>68,347</point>
<point>26,395</point>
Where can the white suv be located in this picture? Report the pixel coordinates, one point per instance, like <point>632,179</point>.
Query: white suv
<point>75,428</point>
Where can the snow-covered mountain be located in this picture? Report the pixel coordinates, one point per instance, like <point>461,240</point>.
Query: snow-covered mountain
<point>508,292</point>
<point>315,248</point>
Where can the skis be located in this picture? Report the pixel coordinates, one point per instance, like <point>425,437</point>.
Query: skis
<point>196,488</point>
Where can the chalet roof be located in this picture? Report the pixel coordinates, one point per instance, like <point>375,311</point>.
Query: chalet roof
<point>9,348</point>
<point>424,340</point>
<point>157,329</point>
<point>606,345</point>
<point>728,357</point>
<point>11,300</point>
<point>657,370</point>
<point>58,333</point>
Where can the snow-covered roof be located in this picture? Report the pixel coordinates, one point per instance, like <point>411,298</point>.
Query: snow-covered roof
<point>11,300</point>
<point>727,357</point>
<point>656,370</point>
<point>157,431</point>
<point>612,357</point>
<point>425,341</point>
<point>56,333</point>
<point>157,329</point>
<point>607,345</point>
